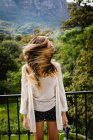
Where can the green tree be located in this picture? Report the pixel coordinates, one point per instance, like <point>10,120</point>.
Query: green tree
<point>72,51</point>
<point>9,63</point>
<point>14,81</point>
<point>80,16</point>
<point>69,46</point>
<point>84,64</point>
<point>6,63</point>
<point>4,36</point>
<point>12,48</point>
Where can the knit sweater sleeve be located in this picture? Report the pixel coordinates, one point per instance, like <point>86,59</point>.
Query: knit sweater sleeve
<point>24,93</point>
<point>64,106</point>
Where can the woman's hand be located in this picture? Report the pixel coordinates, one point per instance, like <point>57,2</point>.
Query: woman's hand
<point>64,119</point>
<point>25,123</point>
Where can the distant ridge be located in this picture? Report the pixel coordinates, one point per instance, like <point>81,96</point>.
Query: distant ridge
<point>45,13</point>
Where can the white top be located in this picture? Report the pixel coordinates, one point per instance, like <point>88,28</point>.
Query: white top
<point>52,94</point>
<point>45,98</point>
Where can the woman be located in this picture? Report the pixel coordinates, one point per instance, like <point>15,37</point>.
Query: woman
<point>42,92</point>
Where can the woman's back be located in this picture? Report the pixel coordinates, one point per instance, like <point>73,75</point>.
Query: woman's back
<point>45,98</point>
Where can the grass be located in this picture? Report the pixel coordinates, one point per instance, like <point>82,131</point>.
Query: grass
<point>12,110</point>
<point>13,118</point>
<point>25,137</point>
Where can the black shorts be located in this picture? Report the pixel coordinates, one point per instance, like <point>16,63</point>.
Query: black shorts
<point>49,115</point>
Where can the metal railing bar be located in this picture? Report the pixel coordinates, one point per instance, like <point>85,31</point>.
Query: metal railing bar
<point>75,92</point>
<point>79,92</point>
<point>28,135</point>
<point>18,118</point>
<point>11,95</point>
<point>67,132</point>
<point>9,133</point>
<point>86,116</point>
<point>76,115</point>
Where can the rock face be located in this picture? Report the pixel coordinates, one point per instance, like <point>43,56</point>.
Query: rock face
<point>22,11</point>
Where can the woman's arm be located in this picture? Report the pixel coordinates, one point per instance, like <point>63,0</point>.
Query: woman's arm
<point>24,98</point>
<point>64,106</point>
<point>24,93</point>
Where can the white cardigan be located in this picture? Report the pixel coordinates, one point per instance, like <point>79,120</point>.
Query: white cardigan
<point>27,105</point>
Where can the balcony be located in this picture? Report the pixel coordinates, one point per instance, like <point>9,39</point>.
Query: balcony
<point>80,117</point>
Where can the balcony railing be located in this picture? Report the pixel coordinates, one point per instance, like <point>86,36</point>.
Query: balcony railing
<point>75,100</point>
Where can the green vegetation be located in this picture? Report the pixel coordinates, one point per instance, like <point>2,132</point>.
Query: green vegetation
<point>25,137</point>
<point>9,65</point>
<point>61,137</point>
<point>75,53</point>
<point>81,15</point>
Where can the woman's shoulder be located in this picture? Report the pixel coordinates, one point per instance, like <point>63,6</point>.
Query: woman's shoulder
<point>55,63</point>
<point>24,67</point>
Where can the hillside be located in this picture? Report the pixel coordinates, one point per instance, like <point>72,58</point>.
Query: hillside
<point>46,13</point>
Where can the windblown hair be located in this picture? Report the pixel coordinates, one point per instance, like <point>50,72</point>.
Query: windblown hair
<point>38,54</point>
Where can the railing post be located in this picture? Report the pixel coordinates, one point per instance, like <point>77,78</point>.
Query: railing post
<point>0,136</point>
<point>18,119</point>
<point>28,135</point>
<point>9,132</point>
<point>86,115</point>
<point>76,114</point>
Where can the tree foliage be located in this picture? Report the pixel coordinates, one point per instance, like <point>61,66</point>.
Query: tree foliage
<point>68,51</point>
<point>75,54</point>
<point>84,64</point>
<point>9,55</point>
<point>6,63</point>
<point>80,15</point>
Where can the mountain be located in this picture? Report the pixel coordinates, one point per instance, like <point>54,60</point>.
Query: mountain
<point>39,12</point>
<point>7,27</point>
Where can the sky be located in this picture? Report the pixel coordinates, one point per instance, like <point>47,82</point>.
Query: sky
<point>69,0</point>
<point>85,1</point>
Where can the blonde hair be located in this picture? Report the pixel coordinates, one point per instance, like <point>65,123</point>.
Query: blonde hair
<point>38,54</point>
